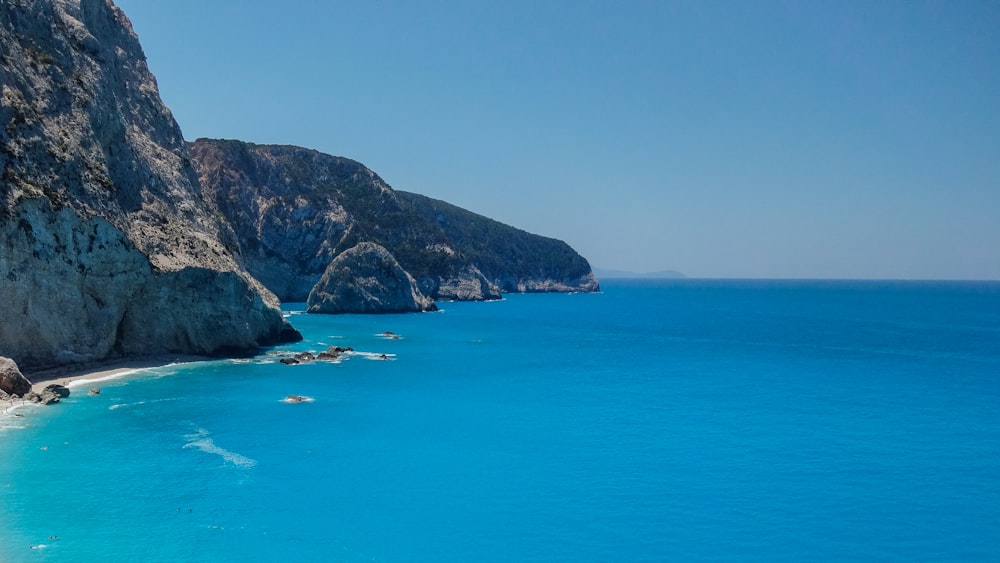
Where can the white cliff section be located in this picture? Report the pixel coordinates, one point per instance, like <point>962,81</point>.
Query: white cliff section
<point>107,245</point>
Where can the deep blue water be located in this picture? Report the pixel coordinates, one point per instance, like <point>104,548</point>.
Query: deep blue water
<point>658,420</point>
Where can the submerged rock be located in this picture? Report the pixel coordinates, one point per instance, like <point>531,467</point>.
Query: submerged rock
<point>367,279</point>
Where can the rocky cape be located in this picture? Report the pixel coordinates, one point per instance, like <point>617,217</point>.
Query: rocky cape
<point>108,245</point>
<point>295,210</point>
<point>118,239</point>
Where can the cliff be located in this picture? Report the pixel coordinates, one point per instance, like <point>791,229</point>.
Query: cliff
<point>108,246</point>
<point>515,260</point>
<point>294,210</point>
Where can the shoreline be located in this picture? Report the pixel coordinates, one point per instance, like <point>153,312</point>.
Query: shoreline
<point>81,374</point>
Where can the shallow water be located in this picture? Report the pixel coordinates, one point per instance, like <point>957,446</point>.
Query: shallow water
<point>658,420</point>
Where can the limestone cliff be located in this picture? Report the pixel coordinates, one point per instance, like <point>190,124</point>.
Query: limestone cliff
<point>294,210</point>
<point>108,246</point>
<point>367,279</point>
<point>515,260</point>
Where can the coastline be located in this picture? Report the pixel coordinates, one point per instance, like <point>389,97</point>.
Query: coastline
<point>79,375</point>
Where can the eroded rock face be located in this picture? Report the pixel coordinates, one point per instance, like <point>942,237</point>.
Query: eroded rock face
<point>468,284</point>
<point>108,246</point>
<point>367,279</point>
<point>12,382</point>
<point>512,260</point>
<point>295,209</point>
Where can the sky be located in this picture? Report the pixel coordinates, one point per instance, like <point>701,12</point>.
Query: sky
<point>732,139</point>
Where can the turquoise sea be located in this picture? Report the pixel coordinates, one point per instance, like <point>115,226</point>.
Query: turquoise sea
<point>668,420</point>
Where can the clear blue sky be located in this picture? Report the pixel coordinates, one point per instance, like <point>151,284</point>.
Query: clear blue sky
<point>848,139</point>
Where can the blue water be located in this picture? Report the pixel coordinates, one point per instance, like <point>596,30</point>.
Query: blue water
<point>657,420</point>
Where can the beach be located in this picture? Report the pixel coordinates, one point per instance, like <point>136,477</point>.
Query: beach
<point>81,375</point>
<point>88,374</point>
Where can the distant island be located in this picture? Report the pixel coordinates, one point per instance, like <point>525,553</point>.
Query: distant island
<point>624,274</point>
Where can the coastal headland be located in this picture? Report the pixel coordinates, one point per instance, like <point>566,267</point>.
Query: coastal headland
<point>120,241</point>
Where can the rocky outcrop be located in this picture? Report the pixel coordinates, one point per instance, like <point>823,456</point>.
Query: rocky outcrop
<point>331,354</point>
<point>514,260</point>
<point>367,279</point>
<point>108,246</point>
<point>295,209</point>
<point>49,395</point>
<point>12,381</point>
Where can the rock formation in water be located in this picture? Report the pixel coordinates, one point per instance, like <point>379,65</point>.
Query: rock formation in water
<point>108,246</point>
<point>294,210</point>
<point>367,279</point>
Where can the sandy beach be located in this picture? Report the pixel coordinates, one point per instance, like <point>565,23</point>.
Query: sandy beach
<point>75,376</point>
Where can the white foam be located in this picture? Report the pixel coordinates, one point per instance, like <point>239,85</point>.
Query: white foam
<point>155,370</point>
<point>207,445</point>
<point>139,403</point>
<point>371,355</point>
<point>10,419</point>
<point>109,377</point>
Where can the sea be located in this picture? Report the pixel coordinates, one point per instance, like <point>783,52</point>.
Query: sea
<point>653,421</point>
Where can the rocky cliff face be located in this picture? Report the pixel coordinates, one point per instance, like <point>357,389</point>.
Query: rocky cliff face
<point>295,210</point>
<point>367,279</point>
<point>108,246</point>
<point>514,260</point>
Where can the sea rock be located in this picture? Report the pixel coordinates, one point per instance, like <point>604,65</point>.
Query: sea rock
<point>300,358</point>
<point>108,245</point>
<point>49,395</point>
<point>12,381</point>
<point>294,399</point>
<point>367,279</point>
<point>46,397</point>
<point>58,390</point>
<point>295,209</point>
<point>333,353</point>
